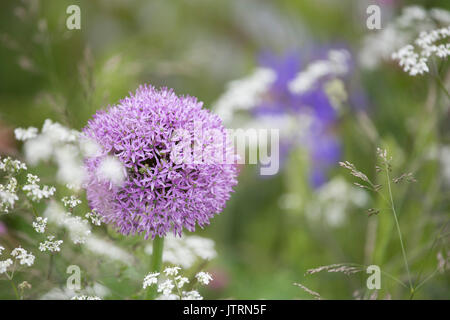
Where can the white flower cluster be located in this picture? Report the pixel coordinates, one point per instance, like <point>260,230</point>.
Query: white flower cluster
<point>11,166</point>
<point>50,245</point>
<point>334,200</point>
<point>378,46</point>
<point>95,217</point>
<point>23,256</point>
<point>34,191</point>
<point>173,280</point>
<point>337,64</point>
<point>414,59</point>
<point>71,202</point>
<point>8,195</point>
<point>40,224</point>
<point>187,250</point>
<point>5,264</point>
<point>204,278</point>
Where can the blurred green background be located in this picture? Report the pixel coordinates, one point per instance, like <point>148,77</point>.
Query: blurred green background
<point>196,47</point>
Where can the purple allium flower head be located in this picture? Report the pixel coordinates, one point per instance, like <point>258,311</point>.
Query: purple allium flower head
<point>158,195</point>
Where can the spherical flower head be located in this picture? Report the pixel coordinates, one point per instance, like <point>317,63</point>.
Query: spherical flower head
<point>153,192</point>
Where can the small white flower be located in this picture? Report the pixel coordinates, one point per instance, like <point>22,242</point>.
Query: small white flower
<point>23,256</point>
<point>71,202</point>
<point>33,190</point>
<point>181,281</point>
<point>191,295</point>
<point>1,250</point>
<point>150,279</point>
<point>4,265</point>
<point>8,195</point>
<point>166,287</point>
<point>50,245</point>
<point>40,224</point>
<point>95,217</point>
<point>204,278</point>
<point>12,166</point>
<point>25,134</point>
<point>171,271</point>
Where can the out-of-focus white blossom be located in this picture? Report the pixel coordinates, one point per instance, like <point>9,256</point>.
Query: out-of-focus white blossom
<point>25,134</point>
<point>108,249</point>
<point>187,250</point>
<point>40,224</point>
<point>78,228</point>
<point>337,64</point>
<point>50,245</point>
<point>112,170</point>
<point>333,200</point>
<point>244,93</point>
<point>96,290</point>
<point>61,145</point>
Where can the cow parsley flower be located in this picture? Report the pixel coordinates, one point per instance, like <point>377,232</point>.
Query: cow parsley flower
<point>34,191</point>
<point>95,217</point>
<point>50,245</point>
<point>192,295</point>
<point>23,256</point>
<point>158,195</point>
<point>8,195</point>
<point>166,287</point>
<point>11,166</point>
<point>4,265</point>
<point>150,279</point>
<point>40,224</point>
<point>204,278</point>
<point>414,59</point>
<point>172,271</point>
<point>71,202</point>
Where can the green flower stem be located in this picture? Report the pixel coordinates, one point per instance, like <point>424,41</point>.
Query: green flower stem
<point>158,246</point>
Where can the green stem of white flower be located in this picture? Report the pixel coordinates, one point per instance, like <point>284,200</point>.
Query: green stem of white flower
<point>398,228</point>
<point>158,247</point>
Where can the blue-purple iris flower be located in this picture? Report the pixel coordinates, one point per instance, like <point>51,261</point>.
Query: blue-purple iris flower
<point>322,143</point>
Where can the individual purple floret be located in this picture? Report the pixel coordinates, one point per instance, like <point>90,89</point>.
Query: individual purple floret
<point>157,195</point>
